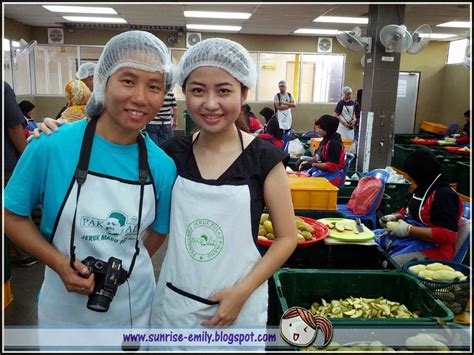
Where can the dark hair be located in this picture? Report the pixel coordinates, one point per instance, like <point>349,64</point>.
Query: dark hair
<point>423,167</point>
<point>329,124</point>
<point>26,106</point>
<point>468,114</point>
<point>267,112</point>
<point>359,96</point>
<point>246,108</point>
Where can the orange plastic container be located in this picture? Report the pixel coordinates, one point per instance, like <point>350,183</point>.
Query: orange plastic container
<point>433,127</point>
<point>312,193</point>
<point>315,142</point>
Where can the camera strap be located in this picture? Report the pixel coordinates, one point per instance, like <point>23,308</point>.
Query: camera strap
<point>81,175</point>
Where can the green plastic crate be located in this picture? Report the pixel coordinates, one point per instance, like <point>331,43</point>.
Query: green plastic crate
<point>303,287</point>
<point>189,125</point>
<point>401,152</point>
<point>405,138</point>
<point>449,164</point>
<point>398,194</point>
<point>463,171</point>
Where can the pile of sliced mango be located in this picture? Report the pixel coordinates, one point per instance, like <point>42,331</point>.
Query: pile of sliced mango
<point>353,307</point>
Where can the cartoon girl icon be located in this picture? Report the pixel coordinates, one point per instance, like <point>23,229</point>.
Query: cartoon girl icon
<point>299,327</point>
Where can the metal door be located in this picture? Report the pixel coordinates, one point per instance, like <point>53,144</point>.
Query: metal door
<point>407,96</point>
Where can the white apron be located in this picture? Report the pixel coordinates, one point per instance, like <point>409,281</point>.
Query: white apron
<point>107,222</point>
<point>210,248</point>
<point>284,119</point>
<point>346,115</point>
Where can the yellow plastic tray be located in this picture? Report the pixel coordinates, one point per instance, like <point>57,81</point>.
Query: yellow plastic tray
<point>348,236</point>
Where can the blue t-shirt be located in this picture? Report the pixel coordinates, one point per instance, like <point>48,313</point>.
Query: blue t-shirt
<point>46,168</point>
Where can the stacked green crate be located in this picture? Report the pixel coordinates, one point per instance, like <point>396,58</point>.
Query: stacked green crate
<point>463,171</point>
<point>402,151</point>
<point>449,163</point>
<point>405,138</point>
<point>188,123</point>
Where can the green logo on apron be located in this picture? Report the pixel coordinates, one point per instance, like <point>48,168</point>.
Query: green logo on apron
<point>204,240</point>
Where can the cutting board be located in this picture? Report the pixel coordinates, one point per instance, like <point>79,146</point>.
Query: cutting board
<point>348,236</point>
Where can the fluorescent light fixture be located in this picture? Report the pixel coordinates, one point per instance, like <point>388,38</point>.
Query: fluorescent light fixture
<point>215,14</point>
<point>437,35</point>
<point>214,27</point>
<point>315,31</point>
<point>455,24</point>
<point>81,9</point>
<point>6,45</point>
<point>95,19</point>
<point>16,44</point>
<point>340,19</point>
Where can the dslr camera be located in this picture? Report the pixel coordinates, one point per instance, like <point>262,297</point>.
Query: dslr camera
<point>108,277</point>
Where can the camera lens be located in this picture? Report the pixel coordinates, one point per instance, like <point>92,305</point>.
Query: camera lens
<point>99,265</point>
<point>99,302</point>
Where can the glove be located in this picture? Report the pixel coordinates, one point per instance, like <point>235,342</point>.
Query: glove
<point>387,218</point>
<point>400,229</point>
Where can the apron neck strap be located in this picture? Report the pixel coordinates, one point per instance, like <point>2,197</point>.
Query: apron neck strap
<point>81,175</point>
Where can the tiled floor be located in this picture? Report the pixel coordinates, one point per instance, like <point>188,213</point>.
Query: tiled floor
<point>26,283</point>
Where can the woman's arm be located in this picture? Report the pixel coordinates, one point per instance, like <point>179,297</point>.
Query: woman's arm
<point>153,240</point>
<point>24,234</point>
<point>280,207</point>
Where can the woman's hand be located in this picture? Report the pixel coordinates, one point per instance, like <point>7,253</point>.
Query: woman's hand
<point>231,300</point>
<point>46,126</point>
<point>80,280</point>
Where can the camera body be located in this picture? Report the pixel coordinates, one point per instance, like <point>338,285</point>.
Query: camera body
<point>108,277</point>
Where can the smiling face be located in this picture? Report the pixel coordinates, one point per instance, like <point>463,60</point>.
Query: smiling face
<point>113,227</point>
<point>214,98</point>
<point>132,99</point>
<point>295,330</point>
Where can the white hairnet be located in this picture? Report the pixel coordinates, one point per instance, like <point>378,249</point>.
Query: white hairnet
<point>346,89</point>
<point>131,49</point>
<point>283,82</point>
<point>85,70</point>
<point>221,53</point>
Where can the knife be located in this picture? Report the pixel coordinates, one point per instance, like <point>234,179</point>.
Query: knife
<point>359,227</point>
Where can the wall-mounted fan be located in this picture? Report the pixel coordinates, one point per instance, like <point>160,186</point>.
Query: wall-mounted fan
<point>26,47</point>
<point>352,40</point>
<point>421,38</point>
<point>192,38</point>
<point>395,38</point>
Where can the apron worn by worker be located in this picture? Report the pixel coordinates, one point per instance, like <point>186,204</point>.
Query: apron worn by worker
<point>211,247</point>
<point>346,115</point>
<point>396,246</point>
<point>101,217</point>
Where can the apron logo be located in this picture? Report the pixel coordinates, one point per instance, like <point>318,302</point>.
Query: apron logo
<point>114,225</point>
<point>204,240</point>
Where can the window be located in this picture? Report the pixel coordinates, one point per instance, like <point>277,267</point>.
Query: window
<point>457,51</point>
<point>21,71</point>
<point>54,67</point>
<point>321,78</point>
<point>7,64</point>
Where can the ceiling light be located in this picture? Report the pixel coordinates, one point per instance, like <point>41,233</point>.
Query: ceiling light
<point>81,9</point>
<point>95,19</point>
<point>315,31</point>
<point>340,19</point>
<point>214,14</point>
<point>455,24</point>
<point>214,27</point>
<point>437,35</point>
